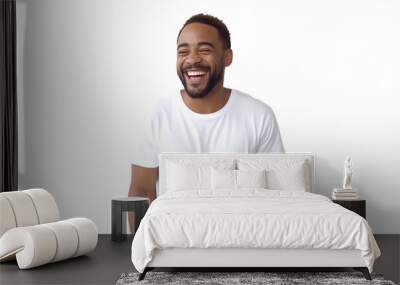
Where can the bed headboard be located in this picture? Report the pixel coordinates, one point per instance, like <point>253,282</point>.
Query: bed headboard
<point>166,157</point>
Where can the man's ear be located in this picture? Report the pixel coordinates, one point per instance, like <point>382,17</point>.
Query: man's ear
<point>228,57</point>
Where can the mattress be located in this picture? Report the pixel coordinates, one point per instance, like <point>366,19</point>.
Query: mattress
<point>250,219</point>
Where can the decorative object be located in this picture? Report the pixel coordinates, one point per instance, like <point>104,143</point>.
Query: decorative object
<point>138,205</point>
<point>32,233</point>
<point>343,194</point>
<point>249,278</point>
<point>348,173</point>
<point>347,192</point>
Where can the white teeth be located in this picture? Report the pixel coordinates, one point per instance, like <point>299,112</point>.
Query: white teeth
<point>195,73</point>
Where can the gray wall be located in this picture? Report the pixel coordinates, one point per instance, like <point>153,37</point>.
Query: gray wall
<point>90,72</point>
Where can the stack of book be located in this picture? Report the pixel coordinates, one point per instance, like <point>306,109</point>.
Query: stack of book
<point>344,194</point>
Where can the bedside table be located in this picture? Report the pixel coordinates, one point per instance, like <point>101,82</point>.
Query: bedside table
<point>357,206</point>
<point>139,205</point>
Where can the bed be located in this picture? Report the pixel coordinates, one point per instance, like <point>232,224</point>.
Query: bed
<point>246,211</point>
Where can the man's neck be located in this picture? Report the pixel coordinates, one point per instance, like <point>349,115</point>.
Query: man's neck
<point>214,101</point>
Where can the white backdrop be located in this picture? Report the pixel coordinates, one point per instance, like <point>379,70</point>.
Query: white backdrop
<point>91,71</point>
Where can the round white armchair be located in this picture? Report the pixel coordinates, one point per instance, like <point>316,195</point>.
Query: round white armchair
<point>31,230</point>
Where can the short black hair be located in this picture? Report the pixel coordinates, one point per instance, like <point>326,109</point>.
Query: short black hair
<point>211,21</point>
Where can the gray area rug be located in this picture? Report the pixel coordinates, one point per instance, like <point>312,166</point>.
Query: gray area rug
<point>269,278</point>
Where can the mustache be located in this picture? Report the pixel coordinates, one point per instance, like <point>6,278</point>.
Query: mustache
<point>193,66</point>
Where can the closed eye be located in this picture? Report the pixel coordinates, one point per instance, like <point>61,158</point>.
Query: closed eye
<point>182,52</point>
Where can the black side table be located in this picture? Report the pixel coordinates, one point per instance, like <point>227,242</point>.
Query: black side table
<point>139,205</point>
<point>357,206</point>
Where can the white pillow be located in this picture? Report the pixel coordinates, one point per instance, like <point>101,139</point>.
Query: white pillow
<point>193,173</point>
<point>292,178</point>
<point>223,179</point>
<point>251,178</point>
<point>237,179</point>
<point>282,174</point>
<point>181,177</point>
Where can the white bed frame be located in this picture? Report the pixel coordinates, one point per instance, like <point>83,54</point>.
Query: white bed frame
<point>246,258</point>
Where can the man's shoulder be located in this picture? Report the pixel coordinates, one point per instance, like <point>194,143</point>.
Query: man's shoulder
<point>247,101</point>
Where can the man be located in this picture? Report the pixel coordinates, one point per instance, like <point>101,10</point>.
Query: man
<point>205,116</point>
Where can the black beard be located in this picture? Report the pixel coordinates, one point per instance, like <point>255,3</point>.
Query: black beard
<point>213,80</point>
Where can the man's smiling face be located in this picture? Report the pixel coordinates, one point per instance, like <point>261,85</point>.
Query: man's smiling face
<point>200,59</point>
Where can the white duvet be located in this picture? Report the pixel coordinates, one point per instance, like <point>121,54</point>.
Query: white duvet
<point>250,218</point>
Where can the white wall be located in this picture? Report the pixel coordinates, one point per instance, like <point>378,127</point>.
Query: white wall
<point>90,72</point>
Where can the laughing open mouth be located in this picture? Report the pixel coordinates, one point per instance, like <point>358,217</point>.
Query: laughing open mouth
<point>195,76</point>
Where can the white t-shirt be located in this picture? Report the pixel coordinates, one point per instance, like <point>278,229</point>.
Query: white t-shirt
<point>243,125</point>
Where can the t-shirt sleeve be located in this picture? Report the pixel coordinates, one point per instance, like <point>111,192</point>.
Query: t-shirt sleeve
<point>148,148</point>
<point>270,137</point>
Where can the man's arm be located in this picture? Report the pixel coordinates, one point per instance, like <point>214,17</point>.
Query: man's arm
<point>143,184</point>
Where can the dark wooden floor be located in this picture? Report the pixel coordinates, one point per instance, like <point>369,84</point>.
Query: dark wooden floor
<point>110,260</point>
